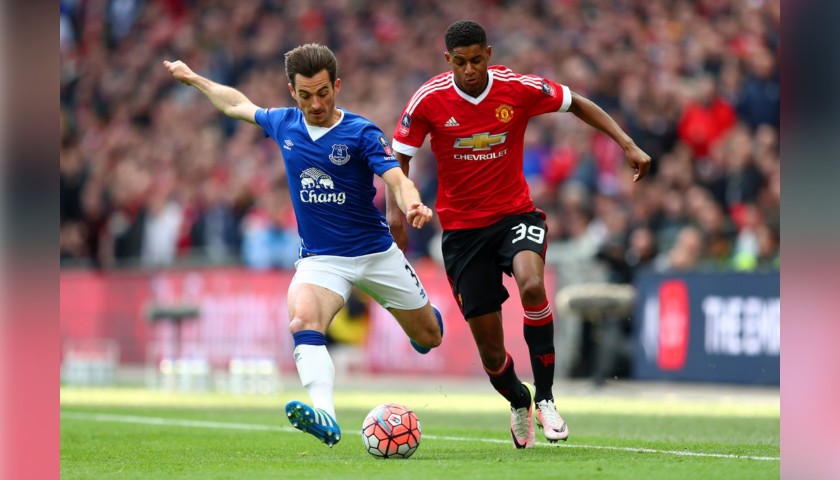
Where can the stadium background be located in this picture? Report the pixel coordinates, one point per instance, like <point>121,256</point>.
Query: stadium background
<point>165,203</point>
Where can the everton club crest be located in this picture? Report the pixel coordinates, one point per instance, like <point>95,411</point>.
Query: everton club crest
<point>340,154</point>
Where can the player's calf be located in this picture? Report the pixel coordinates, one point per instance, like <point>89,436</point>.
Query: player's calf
<point>425,350</point>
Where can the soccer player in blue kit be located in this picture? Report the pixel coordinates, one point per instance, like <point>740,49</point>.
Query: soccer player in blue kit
<point>330,156</point>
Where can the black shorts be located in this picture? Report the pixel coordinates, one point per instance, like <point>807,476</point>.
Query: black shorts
<point>475,259</point>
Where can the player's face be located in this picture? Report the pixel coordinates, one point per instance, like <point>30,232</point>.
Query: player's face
<point>315,97</point>
<point>469,65</point>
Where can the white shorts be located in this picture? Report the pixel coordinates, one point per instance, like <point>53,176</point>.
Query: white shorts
<point>386,276</point>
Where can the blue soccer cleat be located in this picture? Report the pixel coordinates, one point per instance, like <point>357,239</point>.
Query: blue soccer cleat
<point>315,422</point>
<point>425,350</point>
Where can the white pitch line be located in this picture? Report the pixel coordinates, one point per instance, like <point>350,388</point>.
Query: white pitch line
<point>174,422</point>
<point>170,422</point>
<point>609,447</point>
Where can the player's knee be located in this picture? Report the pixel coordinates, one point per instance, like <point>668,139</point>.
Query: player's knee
<point>493,360</point>
<point>492,356</point>
<point>436,339</point>
<point>295,326</point>
<point>298,324</point>
<point>431,337</point>
<point>532,290</point>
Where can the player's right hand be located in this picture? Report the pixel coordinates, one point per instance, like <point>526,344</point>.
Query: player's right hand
<point>179,70</point>
<point>418,215</point>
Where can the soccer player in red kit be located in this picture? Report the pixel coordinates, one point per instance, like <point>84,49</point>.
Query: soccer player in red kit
<point>476,116</point>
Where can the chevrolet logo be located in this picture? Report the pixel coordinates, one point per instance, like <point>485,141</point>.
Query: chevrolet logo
<point>481,141</point>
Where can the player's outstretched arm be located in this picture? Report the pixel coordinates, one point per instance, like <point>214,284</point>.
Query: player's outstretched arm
<point>592,114</point>
<point>407,198</point>
<point>393,212</point>
<point>229,101</point>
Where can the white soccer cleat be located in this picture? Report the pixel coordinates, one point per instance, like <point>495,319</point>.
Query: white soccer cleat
<point>522,423</point>
<point>553,425</point>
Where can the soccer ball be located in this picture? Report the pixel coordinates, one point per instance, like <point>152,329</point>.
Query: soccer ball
<point>391,431</point>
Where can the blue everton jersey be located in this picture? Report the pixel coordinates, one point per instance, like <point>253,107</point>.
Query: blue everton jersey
<point>331,181</point>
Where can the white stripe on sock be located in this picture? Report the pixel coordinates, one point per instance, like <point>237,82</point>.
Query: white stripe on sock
<point>545,312</point>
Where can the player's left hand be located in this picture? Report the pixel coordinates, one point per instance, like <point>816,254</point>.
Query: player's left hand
<point>418,215</point>
<point>638,160</point>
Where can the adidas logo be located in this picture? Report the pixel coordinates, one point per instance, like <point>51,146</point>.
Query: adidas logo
<point>451,122</point>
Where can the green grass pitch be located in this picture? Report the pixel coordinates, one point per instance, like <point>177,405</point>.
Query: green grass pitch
<point>126,433</point>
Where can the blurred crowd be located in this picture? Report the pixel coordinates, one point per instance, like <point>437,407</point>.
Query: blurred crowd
<point>152,175</point>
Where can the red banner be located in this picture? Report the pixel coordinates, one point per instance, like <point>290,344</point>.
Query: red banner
<point>235,313</point>
<point>238,313</point>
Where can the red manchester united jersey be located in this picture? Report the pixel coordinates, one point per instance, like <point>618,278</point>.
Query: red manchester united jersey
<point>478,142</point>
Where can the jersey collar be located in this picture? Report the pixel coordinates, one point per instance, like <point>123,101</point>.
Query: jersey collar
<point>478,99</point>
<point>317,132</point>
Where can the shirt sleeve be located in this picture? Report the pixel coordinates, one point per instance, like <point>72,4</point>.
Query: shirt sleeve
<point>545,96</point>
<point>377,151</point>
<point>411,130</point>
<point>270,120</point>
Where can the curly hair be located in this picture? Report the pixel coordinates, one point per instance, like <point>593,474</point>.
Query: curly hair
<point>464,33</point>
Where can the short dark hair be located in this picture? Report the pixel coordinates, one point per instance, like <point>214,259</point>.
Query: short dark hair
<point>310,59</point>
<point>464,33</point>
